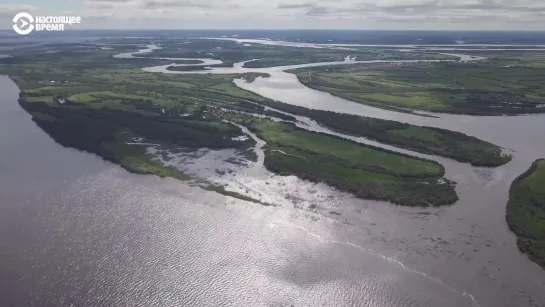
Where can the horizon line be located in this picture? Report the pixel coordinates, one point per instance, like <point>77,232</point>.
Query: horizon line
<point>291,29</point>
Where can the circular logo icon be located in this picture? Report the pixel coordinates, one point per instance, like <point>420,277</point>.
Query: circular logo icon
<point>23,23</point>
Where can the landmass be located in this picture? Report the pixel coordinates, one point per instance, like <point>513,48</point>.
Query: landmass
<point>526,212</point>
<point>367,172</point>
<point>481,88</point>
<point>85,98</point>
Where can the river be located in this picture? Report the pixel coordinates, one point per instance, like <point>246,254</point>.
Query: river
<point>89,233</point>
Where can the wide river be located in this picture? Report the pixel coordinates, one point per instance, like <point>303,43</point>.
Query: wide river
<point>75,230</point>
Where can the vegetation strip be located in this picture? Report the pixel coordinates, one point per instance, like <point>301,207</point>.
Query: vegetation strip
<point>526,212</point>
<point>367,172</point>
<point>470,88</point>
<point>87,99</point>
<point>427,140</point>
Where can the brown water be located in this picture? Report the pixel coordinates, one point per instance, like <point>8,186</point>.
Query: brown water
<point>77,230</point>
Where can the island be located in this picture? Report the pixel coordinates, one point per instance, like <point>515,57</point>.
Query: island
<point>477,88</point>
<point>526,212</point>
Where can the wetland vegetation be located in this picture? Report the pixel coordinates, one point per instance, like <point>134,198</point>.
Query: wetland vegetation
<point>365,171</point>
<point>85,98</point>
<point>468,88</point>
<point>526,212</point>
<point>428,140</point>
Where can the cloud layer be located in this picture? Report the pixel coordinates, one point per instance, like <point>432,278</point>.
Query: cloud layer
<point>364,14</point>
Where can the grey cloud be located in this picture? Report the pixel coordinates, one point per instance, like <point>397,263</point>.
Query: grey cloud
<point>319,11</point>
<point>181,4</point>
<point>429,10</point>
<point>177,4</point>
<point>445,6</point>
<point>354,13</point>
<point>107,1</point>
<point>295,6</point>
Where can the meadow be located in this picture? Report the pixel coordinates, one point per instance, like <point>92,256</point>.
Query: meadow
<point>466,88</point>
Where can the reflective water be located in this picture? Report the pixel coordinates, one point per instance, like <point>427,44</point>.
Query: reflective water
<point>468,244</point>
<point>150,48</point>
<point>442,47</point>
<point>77,230</point>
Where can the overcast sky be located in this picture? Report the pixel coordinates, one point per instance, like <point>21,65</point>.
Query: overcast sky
<point>282,14</point>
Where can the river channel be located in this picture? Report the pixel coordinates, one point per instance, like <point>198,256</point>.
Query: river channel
<point>78,230</point>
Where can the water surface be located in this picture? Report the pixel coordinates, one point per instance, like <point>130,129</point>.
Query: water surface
<point>468,245</point>
<point>77,230</point>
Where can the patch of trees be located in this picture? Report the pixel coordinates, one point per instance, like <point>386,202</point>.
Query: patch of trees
<point>188,68</point>
<point>87,129</point>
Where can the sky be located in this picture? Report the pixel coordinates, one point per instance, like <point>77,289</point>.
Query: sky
<point>289,14</point>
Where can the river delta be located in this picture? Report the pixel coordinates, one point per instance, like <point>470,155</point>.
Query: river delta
<point>329,246</point>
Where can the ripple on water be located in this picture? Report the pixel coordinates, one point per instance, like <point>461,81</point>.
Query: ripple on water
<point>90,233</point>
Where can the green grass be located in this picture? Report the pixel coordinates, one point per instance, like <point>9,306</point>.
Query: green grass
<point>287,135</point>
<point>134,158</point>
<point>526,212</point>
<point>426,140</point>
<point>365,171</point>
<point>106,96</point>
<point>529,59</point>
<point>481,89</point>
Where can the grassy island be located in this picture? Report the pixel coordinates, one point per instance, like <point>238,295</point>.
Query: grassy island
<point>526,212</point>
<point>427,140</point>
<point>367,172</point>
<point>470,88</point>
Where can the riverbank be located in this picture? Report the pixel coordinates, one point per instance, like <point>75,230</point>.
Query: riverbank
<point>526,212</point>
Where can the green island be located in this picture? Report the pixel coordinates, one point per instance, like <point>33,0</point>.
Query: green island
<point>367,172</point>
<point>427,140</point>
<point>186,68</point>
<point>526,212</point>
<point>85,98</point>
<point>480,88</point>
